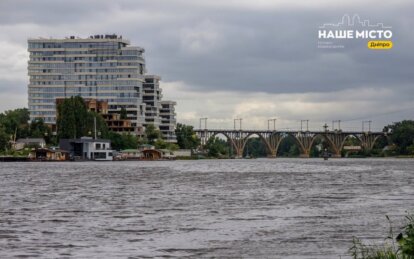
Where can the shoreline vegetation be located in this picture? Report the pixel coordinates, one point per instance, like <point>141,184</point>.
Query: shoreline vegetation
<point>75,121</point>
<point>397,245</point>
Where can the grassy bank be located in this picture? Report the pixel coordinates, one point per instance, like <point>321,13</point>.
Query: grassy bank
<point>398,245</point>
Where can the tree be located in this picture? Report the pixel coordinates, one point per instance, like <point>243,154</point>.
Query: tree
<point>152,133</point>
<point>410,149</point>
<point>101,126</point>
<point>15,122</point>
<point>186,137</point>
<point>4,139</point>
<point>38,129</point>
<point>123,141</point>
<point>217,147</point>
<point>255,148</point>
<point>75,121</point>
<point>288,147</point>
<point>161,144</point>
<point>402,135</point>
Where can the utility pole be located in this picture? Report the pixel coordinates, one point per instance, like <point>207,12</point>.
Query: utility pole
<point>339,124</point>
<point>240,123</point>
<point>205,122</point>
<point>274,124</point>
<point>369,125</point>
<point>301,125</point>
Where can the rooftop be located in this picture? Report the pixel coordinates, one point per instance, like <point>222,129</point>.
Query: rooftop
<point>92,38</point>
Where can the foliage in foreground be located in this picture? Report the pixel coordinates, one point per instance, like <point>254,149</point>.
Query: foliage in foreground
<point>400,247</point>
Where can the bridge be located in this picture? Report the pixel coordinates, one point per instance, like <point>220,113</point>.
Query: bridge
<point>272,138</point>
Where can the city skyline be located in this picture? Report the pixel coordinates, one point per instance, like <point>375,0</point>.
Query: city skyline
<point>235,59</point>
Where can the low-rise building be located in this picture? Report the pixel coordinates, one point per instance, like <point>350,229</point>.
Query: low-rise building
<point>130,154</point>
<point>87,148</point>
<point>151,154</point>
<point>29,142</point>
<point>48,154</point>
<point>183,153</point>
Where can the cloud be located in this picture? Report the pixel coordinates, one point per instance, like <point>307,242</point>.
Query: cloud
<point>350,106</point>
<point>222,59</point>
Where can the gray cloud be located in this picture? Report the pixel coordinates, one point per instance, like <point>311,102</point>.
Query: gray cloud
<point>240,47</point>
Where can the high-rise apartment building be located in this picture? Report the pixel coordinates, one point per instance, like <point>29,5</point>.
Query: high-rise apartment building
<point>158,112</point>
<point>102,67</point>
<point>168,120</point>
<point>151,97</point>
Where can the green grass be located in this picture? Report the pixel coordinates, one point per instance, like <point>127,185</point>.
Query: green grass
<point>399,247</point>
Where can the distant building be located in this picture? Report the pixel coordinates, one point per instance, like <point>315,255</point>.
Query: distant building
<point>151,98</point>
<point>183,153</point>
<point>113,120</point>
<point>29,142</point>
<point>102,68</point>
<point>130,154</point>
<point>168,121</point>
<point>48,154</point>
<point>151,154</point>
<point>88,148</point>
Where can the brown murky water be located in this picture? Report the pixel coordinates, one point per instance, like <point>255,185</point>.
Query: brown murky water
<point>262,208</point>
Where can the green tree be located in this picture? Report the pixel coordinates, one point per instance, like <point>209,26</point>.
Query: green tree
<point>217,147</point>
<point>288,147</point>
<point>38,129</point>
<point>294,151</point>
<point>15,122</point>
<point>101,126</point>
<point>122,141</point>
<point>186,137</point>
<point>152,133</point>
<point>410,149</point>
<point>4,139</point>
<point>75,121</point>
<point>161,144</point>
<point>255,148</point>
<point>402,135</point>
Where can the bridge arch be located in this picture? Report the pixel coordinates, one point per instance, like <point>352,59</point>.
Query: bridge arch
<point>350,136</point>
<point>285,136</point>
<point>263,139</point>
<point>216,133</point>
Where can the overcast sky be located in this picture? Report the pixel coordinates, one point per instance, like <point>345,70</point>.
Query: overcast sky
<point>219,59</point>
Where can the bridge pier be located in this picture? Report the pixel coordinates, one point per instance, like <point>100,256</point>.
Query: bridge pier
<point>335,155</point>
<point>304,155</point>
<point>239,153</point>
<point>272,154</point>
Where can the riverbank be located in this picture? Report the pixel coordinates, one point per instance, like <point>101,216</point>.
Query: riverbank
<point>26,159</point>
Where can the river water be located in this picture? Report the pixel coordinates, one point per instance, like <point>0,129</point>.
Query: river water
<point>259,208</point>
